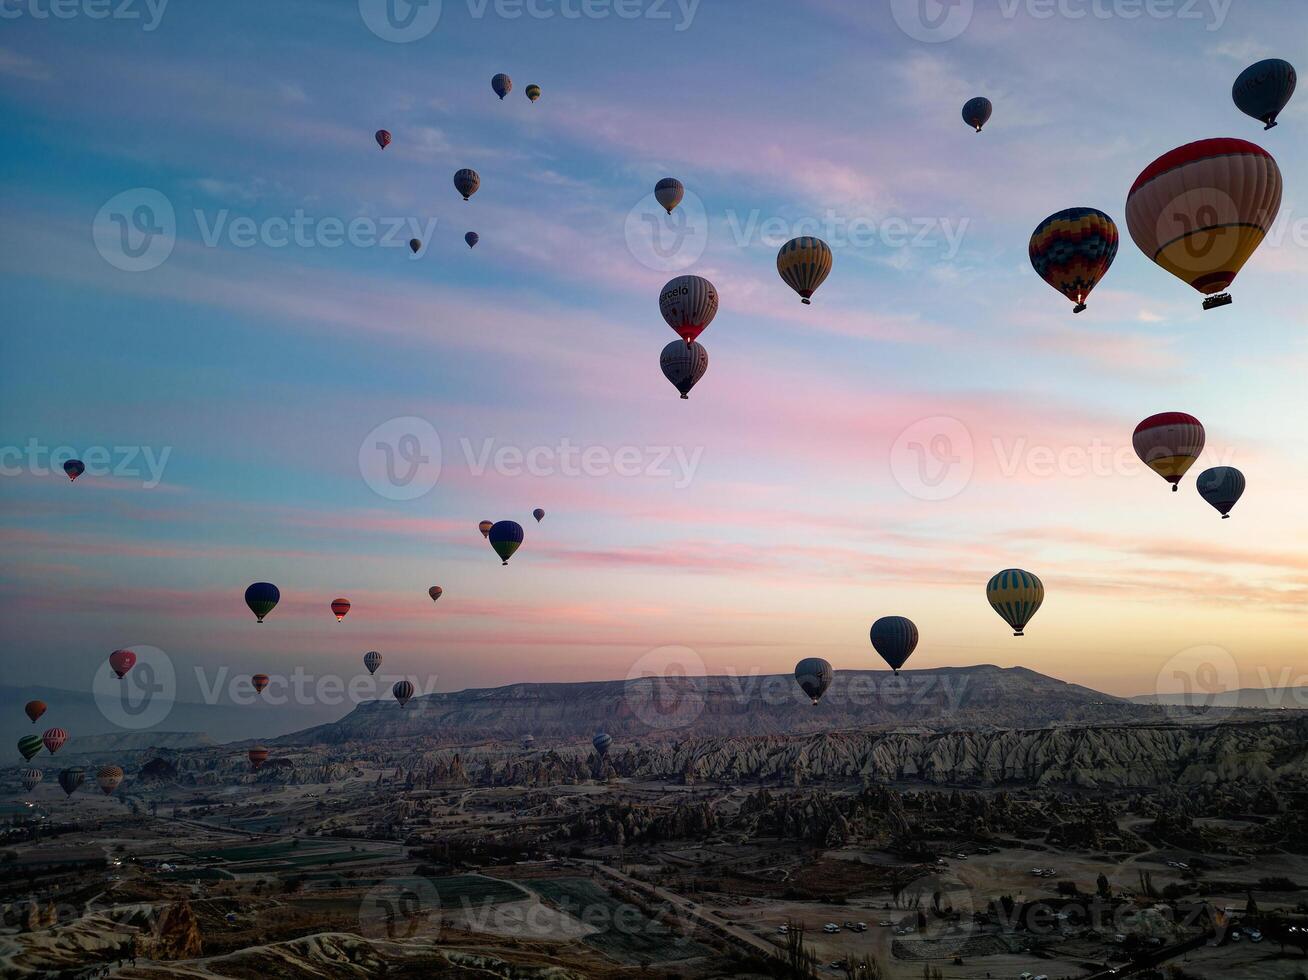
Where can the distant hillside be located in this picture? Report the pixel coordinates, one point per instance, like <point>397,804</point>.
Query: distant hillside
<point>974,698</point>
<point>1276,698</point>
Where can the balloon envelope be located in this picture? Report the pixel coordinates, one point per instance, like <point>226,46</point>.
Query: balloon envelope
<point>53,738</point>
<point>814,677</point>
<point>260,681</point>
<point>976,112</point>
<point>383,138</point>
<point>1071,250</point>
<point>895,638</point>
<point>34,709</point>
<point>372,660</point>
<point>262,597</point>
<point>1169,443</point>
<point>502,85</point>
<point>257,756</point>
<point>668,192</point>
<point>1201,210</point>
<point>29,745</point>
<point>340,607</point>
<point>70,779</point>
<point>414,245</point>
<point>539,514</point>
<point>1263,89</point>
<point>689,304</point>
<point>1015,595</point>
<point>121,661</point>
<point>31,777</point>
<point>403,690</point>
<point>484,527</point>
<point>74,468</point>
<point>1222,487</point>
<point>435,592</point>
<point>804,264</point>
<point>466,182</point>
<point>472,238</point>
<point>533,92</point>
<point>683,365</point>
<point>602,741</point>
<point>505,537</point>
<point>109,777</point>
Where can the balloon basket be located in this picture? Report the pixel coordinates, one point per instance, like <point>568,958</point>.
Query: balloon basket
<point>1078,308</point>
<point>1221,299</point>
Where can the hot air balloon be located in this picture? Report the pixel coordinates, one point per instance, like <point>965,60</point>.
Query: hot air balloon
<point>1015,595</point>
<point>472,238</point>
<point>1169,443</point>
<point>121,661</point>
<point>505,537</point>
<point>31,777</point>
<point>804,264</point>
<point>435,592</point>
<point>1071,250</point>
<point>260,681</point>
<point>602,741</point>
<point>466,182</point>
<point>533,92</point>
<point>53,738</point>
<point>668,192</point>
<point>383,138</point>
<point>684,364</point>
<point>109,777</point>
<point>895,638</point>
<point>29,745</point>
<point>415,246</point>
<point>34,710</point>
<point>689,304</point>
<point>340,606</point>
<point>1263,89</point>
<point>70,779</point>
<point>1201,210</point>
<point>372,660</point>
<point>814,676</point>
<point>74,468</point>
<point>1222,487</point>
<point>262,597</point>
<point>502,85</point>
<point>528,741</point>
<point>257,756</point>
<point>976,112</point>
<point>403,690</point>
<point>484,527</point>
<point>539,514</point>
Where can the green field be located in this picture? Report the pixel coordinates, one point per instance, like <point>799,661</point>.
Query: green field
<point>625,933</point>
<point>461,891</point>
<point>197,874</point>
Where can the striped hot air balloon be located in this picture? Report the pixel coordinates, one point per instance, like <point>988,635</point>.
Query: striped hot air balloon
<point>895,638</point>
<point>1071,250</point>
<point>121,661</point>
<point>976,112</point>
<point>684,365</point>
<point>1169,443</point>
<point>435,592</point>
<point>1201,210</point>
<point>804,263</point>
<point>601,742</point>
<point>53,739</point>
<point>668,192</point>
<point>108,777</point>
<point>29,745</point>
<point>383,138</point>
<point>262,598</point>
<point>533,92</point>
<point>403,690</point>
<point>372,660</point>
<point>1015,595</point>
<point>70,779</point>
<point>31,777</point>
<point>257,756</point>
<point>466,182</point>
<point>260,681</point>
<point>1263,89</point>
<point>1221,487</point>
<point>814,675</point>
<point>505,537</point>
<point>340,606</point>
<point>689,304</point>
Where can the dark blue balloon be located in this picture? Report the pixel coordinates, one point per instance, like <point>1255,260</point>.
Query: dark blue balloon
<point>1262,90</point>
<point>261,597</point>
<point>602,741</point>
<point>895,638</point>
<point>1221,486</point>
<point>472,238</point>
<point>976,112</point>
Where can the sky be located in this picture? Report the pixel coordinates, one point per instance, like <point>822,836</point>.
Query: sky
<point>237,386</point>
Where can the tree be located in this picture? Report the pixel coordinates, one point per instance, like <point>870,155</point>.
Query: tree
<point>1102,887</point>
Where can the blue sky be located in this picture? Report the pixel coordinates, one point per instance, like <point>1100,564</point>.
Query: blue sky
<point>767,519</point>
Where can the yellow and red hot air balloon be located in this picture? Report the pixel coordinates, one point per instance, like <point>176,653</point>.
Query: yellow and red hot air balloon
<point>260,681</point>
<point>109,777</point>
<point>257,756</point>
<point>340,607</point>
<point>484,527</point>
<point>804,263</point>
<point>1169,443</point>
<point>1201,210</point>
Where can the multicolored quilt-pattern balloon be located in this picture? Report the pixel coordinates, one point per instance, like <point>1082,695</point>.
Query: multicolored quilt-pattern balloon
<point>1071,250</point>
